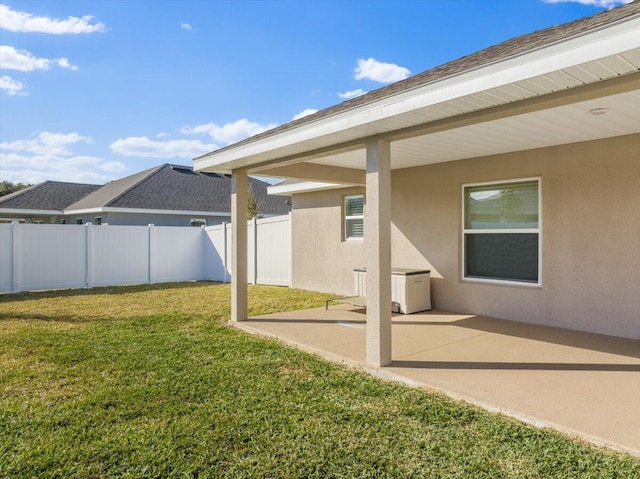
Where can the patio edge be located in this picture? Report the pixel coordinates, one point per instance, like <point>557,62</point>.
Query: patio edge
<point>383,374</point>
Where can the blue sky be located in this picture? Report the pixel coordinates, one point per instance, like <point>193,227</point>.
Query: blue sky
<point>92,91</point>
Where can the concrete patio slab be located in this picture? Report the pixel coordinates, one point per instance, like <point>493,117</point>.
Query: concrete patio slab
<point>583,384</point>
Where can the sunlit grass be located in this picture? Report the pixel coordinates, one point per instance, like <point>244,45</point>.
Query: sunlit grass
<point>149,381</point>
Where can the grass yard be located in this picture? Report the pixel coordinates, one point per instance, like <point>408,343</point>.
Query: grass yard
<point>148,381</point>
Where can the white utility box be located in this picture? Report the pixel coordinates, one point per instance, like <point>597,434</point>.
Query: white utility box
<point>410,288</point>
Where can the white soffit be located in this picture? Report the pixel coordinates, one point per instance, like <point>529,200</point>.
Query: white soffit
<point>554,126</point>
<point>299,186</point>
<point>585,59</point>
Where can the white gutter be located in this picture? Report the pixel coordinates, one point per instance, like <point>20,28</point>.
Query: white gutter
<point>108,209</point>
<point>349,125</point>
<point>14,211</point>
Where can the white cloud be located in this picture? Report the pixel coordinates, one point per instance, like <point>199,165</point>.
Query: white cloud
<point>15,21</point>
<point>162,134</point>
<point>595,3</point>
<point>46,143</point>
<point>186,26</point>
<point>303,113</point>
<point>39,168</point>
<point>372,69</point>
<point>229,133</point>
<point>24,61</point>
<point>352,93</point>
<point>144,147</point>
<point>13,87</point>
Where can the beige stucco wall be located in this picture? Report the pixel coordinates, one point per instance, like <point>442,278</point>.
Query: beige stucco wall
<point>590,236</point>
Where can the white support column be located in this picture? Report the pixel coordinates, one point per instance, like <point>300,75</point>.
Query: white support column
<point>239,246</point>
<point>377,237</point>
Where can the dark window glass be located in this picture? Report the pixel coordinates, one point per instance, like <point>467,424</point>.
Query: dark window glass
<point>507,256</point>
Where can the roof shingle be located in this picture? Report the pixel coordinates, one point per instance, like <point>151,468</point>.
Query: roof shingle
<point>50,195</point>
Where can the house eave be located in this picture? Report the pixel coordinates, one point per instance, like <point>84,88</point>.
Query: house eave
<point>24,211</point>
<point>108,209</point>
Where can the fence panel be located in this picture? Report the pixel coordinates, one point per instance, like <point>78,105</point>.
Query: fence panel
<point>52,256</point>
<point>215,253</point>
<point>273,251</point>
<point>75,256</point>
<point>6,258</point>
<point>176,254</point>
<point>120,255</point>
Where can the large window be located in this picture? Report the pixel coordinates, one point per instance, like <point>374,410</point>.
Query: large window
<point>501,231</point>
<point>354,217</point>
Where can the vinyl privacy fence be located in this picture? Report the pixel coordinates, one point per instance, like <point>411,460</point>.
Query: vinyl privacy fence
<point>34,257</point>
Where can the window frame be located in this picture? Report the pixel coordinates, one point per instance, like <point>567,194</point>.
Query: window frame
<point>97,220</point>
<point>465,231</point>
<point>202,221</point>
<point>79,221</point>
<point>345,218</point>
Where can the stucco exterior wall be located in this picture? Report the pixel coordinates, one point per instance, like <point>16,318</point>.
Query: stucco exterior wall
<point>590,236</point>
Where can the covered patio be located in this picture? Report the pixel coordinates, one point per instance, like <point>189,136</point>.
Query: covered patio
<point>582,384</point>
<point>559,108</point>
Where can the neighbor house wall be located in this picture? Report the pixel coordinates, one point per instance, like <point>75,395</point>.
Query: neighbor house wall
<point>590,237</point>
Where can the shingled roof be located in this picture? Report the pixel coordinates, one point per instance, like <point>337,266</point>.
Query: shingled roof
<point>502,51</point>
<point>50,195</point>
<point>176,187</point>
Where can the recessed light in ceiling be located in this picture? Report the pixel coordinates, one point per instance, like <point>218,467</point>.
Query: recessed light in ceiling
<point>598,111</point>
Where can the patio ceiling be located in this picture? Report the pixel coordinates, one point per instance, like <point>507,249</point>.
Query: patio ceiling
<point>556,126</point>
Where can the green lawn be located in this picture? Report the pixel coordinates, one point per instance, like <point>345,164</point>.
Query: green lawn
<point>148,381</point>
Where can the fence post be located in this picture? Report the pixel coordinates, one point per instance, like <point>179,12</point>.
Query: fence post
<point>255,250</point>
<point>290,237</point>
<point>225,253</point>
<point>89,255</point>
<point>15,260</point>
<point>203,252</point>
<point>151,255</point>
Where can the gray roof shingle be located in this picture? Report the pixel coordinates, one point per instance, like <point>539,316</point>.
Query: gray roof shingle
<point>175,187</point>
<point>502,51</point>
<point>50,195</point>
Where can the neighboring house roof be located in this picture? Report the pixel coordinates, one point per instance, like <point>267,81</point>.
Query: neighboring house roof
<point>176,188</point>
<point>508,49</point>
<point>170,188</point>
<point>50,195</point>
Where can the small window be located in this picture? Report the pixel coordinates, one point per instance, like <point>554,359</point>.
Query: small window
<point>354,217</point>
<point>97,220</point>
<point>78,221</point>
<point>501,231</point>
<point>63,222</point>
<point>198,222</point>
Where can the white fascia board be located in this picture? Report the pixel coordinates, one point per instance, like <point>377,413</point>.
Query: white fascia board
<point>15,211</point>
<point>108,209</point>
<point>305,187</point>
<point>594,45</point>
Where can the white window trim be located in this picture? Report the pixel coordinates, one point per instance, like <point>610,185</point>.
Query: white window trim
<point>538,230</point>
<point>352,217</point>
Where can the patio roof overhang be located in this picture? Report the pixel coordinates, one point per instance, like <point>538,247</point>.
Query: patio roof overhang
<point>527,101</point>
<point>549,95</point>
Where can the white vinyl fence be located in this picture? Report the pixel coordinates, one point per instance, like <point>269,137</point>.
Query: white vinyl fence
<point>34,257</point>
